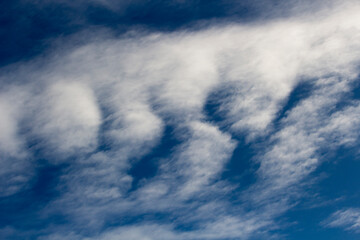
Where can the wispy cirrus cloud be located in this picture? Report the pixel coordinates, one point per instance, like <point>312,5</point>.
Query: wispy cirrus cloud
<point>99,108</point>
<point>348,218</point>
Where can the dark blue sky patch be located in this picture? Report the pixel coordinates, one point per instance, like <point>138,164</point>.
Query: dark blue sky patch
<point>356,90</point>
<point>349,98</point>
<point>28,28</point>
<point>306,224</point>
<point>336,188</point>
<point>23,210</point>
<point>340,169</point>
<point>300,92</point>
<point>213,107</point>
<point>45,187</point>
<point>147,166</point>
<point>241,168</point>
<point>117,220</point>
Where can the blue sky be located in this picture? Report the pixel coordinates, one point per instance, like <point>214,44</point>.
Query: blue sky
<point>174,120</point>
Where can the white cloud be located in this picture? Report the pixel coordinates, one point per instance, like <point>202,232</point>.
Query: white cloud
<point>143,232</point>
<point>67,118</point>
<point>202,157</point>
<point>344,125</point>
<point>11,112</point>
<point>312,125</point>
<point>346,218</point>
<point>15,167</point>
<point>122,92</point>
<point>10,143</point>
<point>133,126</point>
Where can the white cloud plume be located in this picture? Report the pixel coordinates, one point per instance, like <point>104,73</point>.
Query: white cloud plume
<point>15,169</point>
<point>202,157</point>
<point>346,218</point>
<point>10,143</point>
<point>122,93</point>
<point>67,118</point>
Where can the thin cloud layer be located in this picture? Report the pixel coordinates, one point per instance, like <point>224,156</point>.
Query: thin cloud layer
<point>345,218</point>
<point>99,109</point>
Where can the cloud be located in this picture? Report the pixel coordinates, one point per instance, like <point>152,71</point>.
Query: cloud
<point>67,118</point>
<point>293,154</point>
<point>15,163</point>
<point>10,143</point>
<point>202,157</point>
<point>146,232</point>
<point>103,106</point>
<point>346,218</point>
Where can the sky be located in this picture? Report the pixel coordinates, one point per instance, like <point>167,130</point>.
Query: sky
<point>179,120</point>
